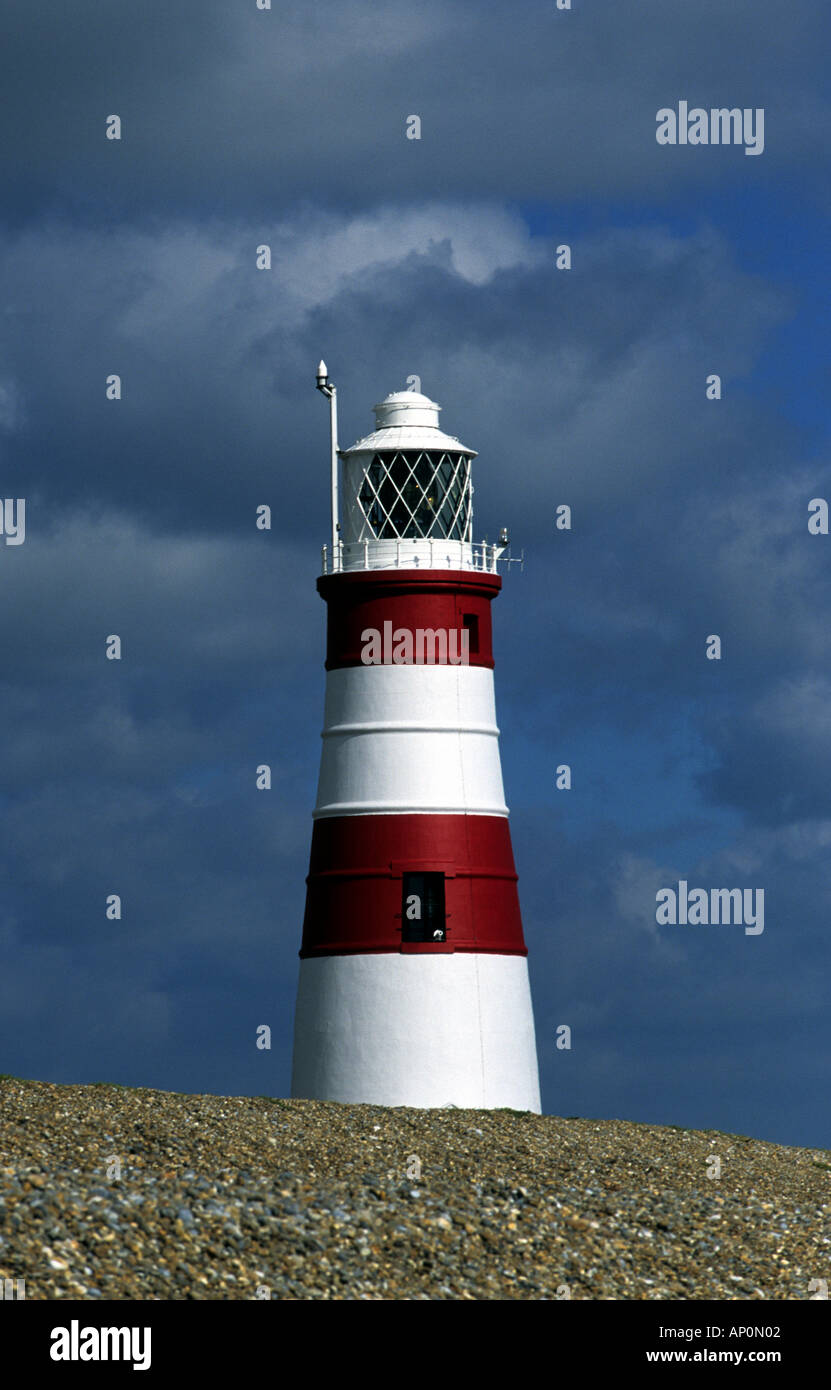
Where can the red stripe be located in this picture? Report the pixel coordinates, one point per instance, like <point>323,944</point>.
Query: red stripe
<point>409,600</point>
<point>353,902</point>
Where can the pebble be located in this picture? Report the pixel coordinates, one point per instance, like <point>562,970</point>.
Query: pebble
<point>228,1197</point>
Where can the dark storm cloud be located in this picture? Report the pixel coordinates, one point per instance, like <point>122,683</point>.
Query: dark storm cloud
<point>630,989</point>
<point>775,755</point>
<point>138,778</point>
<point>580,384</point>
<point>392,258</point>
<point>226,106</point>
<point>585,388</point>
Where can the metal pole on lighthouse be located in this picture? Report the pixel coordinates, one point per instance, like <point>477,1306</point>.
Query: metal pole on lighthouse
<point>329,389</point>
<point>413,986</point>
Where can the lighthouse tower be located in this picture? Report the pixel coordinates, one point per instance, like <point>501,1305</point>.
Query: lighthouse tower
<point>413,975</point>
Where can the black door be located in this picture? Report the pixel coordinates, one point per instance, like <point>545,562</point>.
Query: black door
<point>422,908</point>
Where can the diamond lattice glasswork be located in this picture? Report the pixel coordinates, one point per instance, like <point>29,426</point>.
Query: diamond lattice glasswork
<point>417,494</point>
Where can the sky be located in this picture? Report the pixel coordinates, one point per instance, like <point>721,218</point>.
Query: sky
<point>435,257</point>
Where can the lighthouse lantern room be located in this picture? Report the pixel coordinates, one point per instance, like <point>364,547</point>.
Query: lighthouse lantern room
<point>413,984</point>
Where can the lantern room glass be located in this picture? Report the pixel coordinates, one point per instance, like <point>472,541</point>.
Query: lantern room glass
<point>417,494</point>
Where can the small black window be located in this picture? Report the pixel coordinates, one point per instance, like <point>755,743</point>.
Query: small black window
<point>422,908</point>
<point>470,621</point>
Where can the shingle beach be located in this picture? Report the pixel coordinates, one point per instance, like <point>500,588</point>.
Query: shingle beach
<point>239,1198</point>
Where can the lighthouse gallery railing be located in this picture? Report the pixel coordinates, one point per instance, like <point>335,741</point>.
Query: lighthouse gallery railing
<point>403,554</point>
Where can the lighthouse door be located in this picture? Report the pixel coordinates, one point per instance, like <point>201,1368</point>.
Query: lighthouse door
<point>422,907</point>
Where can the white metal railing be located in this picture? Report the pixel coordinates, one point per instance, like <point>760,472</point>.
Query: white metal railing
<point>347,556</point>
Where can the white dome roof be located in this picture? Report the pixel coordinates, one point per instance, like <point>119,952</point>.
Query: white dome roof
<point>408,420</point>
<point>406,408</point>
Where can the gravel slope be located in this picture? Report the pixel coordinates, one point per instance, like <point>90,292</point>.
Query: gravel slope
<point>221,1196</point>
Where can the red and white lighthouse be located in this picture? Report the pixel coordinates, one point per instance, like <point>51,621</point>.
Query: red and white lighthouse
<point>413,975</point>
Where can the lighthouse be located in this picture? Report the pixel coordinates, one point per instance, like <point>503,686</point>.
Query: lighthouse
<point>413,986</point>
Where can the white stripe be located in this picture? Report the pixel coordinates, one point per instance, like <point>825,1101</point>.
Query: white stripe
<point>451,697</point>
<point>410,738</point>
<point>362,774</point>
<point>419,1030</point>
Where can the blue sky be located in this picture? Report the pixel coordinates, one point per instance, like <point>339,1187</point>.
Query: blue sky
<point>392,257</point>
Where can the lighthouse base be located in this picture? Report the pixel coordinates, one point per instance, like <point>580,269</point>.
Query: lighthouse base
<point>419,1030</point>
